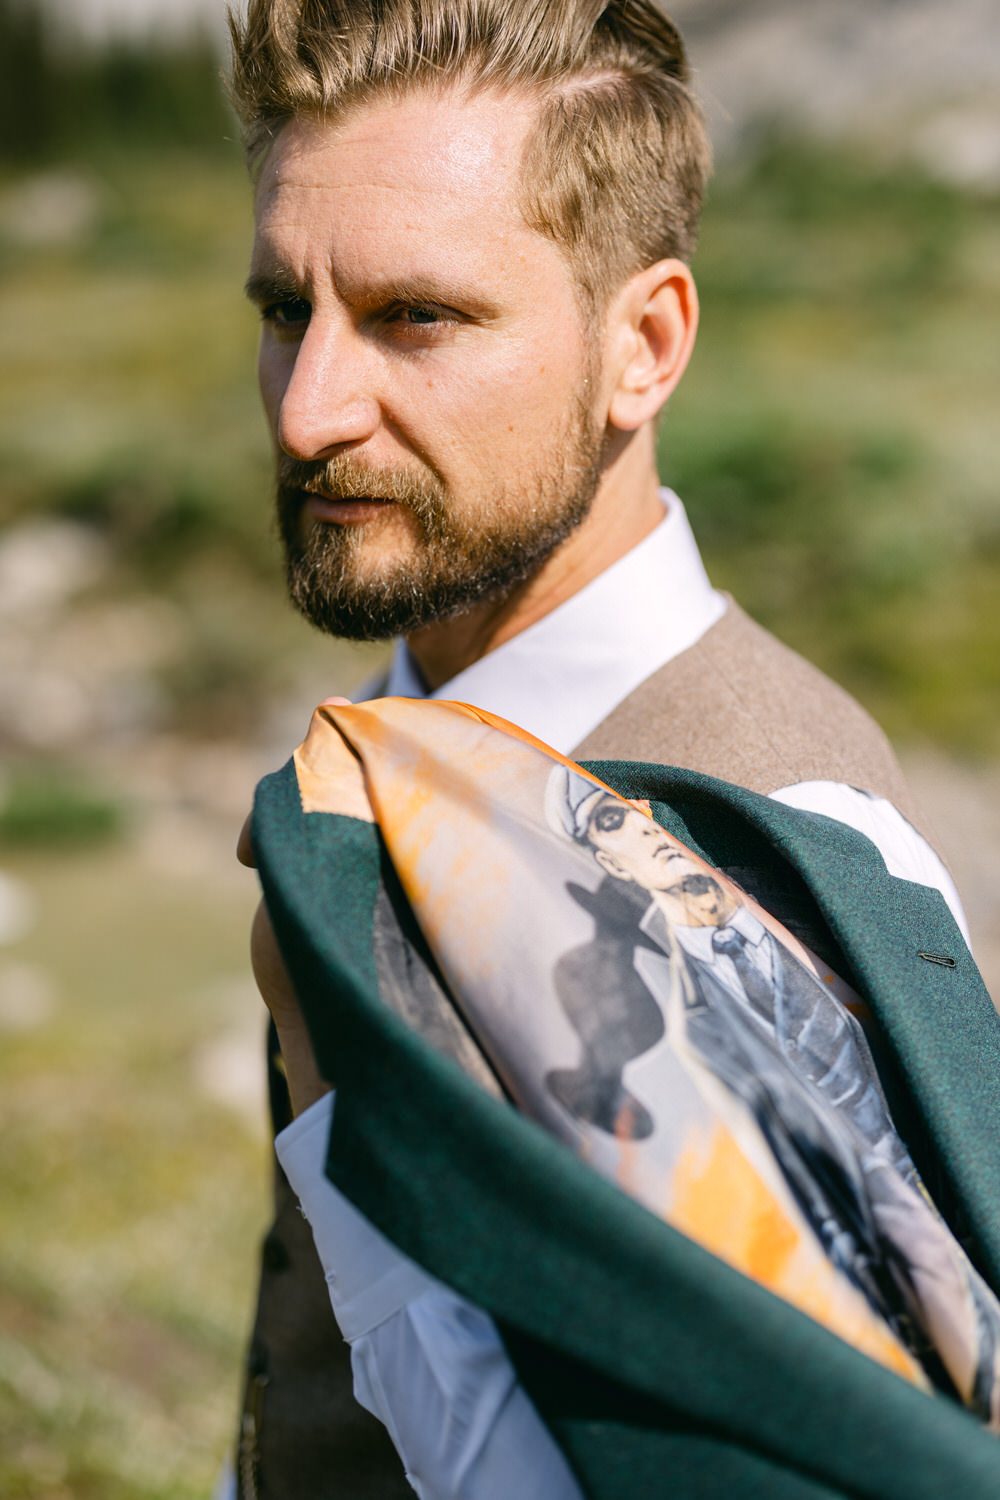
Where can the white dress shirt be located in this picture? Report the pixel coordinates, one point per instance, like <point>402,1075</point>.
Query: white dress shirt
<point>426,1362</point>
<point>565,674</point>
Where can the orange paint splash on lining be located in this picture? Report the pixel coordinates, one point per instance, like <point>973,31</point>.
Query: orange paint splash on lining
<point>413,755</point>
<point>720,1201</point>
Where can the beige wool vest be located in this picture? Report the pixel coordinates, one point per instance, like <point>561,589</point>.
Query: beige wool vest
<point>741,706</point>
<point>737,705</point>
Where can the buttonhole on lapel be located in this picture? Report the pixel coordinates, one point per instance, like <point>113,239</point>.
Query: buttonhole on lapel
<point>938,958</point>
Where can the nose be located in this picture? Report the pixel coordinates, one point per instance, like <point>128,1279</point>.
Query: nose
<point>321,396</point>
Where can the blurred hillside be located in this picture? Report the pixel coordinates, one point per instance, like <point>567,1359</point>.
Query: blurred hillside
<point>914,80</point>
<point>920,76</point>
<point>836,443</point>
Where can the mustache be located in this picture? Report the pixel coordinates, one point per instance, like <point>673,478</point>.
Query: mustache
<point>696,885</point>
<point>346,478</point>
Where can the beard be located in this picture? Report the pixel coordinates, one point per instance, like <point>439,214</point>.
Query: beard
<point>452,561</point>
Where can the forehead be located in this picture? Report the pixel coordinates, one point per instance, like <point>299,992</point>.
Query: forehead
<point>427,169</point>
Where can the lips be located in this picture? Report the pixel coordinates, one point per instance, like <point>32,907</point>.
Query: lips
<point>342,510</point>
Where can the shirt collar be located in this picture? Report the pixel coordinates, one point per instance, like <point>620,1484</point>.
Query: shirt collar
<point>750,927</point>
<point>565,674</point>
<point>698,940</point>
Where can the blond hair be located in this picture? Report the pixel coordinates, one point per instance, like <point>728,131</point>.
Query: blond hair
<point>615,166</point>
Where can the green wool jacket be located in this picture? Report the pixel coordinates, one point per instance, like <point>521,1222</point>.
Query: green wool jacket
<point>660,1370</point>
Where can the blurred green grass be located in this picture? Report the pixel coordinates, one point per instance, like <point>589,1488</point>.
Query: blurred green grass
<point>132,1201</point>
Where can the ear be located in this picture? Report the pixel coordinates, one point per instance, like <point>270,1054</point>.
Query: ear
<point>651,327</point>
<point>610,864</point>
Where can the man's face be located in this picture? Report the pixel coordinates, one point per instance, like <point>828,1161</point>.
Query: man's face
<point>422,363</point>
<point>631,846</point>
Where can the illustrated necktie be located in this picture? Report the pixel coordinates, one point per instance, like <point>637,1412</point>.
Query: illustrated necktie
<point>733,944</point>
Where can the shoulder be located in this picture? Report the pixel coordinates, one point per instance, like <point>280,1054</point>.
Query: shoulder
<point>744,707</point>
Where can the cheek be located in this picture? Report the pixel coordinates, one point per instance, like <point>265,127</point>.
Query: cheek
<point>508,394</point>
<point>474,425</point>
<point>637,860</point>
<point>487,395</point>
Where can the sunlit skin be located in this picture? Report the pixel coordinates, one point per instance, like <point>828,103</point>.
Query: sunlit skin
<point>631,846</point>
<point>411,318</point>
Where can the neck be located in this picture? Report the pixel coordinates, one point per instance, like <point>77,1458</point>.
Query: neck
<point>626,509</point>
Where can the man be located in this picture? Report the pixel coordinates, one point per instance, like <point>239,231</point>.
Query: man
<point>473,227</point>
<point>730,949</point>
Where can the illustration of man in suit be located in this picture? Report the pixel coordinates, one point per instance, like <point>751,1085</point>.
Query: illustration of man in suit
<point>781,1042</point>
<point>729,947</point>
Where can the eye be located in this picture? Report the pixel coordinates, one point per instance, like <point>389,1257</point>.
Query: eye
<point>420,321</point>
<point>609,819</point>
<point>420,316</point>
<point>293,313</point>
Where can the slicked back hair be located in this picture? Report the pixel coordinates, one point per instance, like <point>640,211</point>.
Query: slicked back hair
<point>615,167</point>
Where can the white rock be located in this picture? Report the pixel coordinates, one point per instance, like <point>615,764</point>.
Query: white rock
<point>47,710</point>
<point>51,208</point>
<point>18,909</point>
<point>230,1070</point>
<point>44,563</point>
<point>27,997</point>
<point>962,147</point>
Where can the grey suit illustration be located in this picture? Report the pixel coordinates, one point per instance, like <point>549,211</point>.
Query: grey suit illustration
<point>783,1045</point>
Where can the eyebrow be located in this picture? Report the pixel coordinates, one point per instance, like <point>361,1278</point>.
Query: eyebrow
<point>274,285</point>
<point>262,287</point>
<point>418,289</point>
